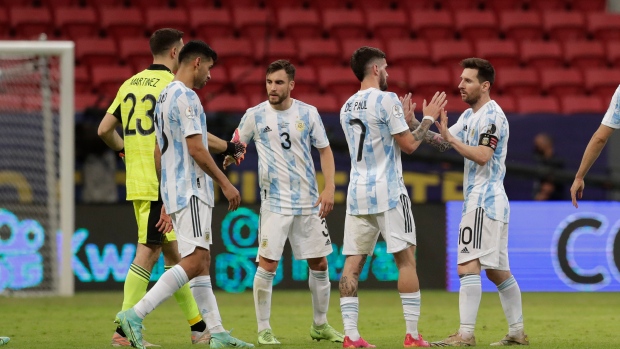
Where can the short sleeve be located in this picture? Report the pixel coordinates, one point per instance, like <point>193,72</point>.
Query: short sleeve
<point>246,128</point>
<point>612,116</point>
<point>115,107</point>
<point>457,130</point>
<point>490,130</point>
<point>393,114</point>
<point>189,116</point>
<point>318,136</point>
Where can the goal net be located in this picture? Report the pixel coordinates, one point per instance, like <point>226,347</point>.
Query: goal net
<point>36,167</point>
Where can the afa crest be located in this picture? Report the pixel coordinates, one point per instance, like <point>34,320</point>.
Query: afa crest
<point>300,125</point>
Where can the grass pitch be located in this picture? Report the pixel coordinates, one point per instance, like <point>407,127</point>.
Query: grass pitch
<point>552,320</point>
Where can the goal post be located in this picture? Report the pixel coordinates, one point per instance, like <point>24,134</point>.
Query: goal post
<point>37,205</point>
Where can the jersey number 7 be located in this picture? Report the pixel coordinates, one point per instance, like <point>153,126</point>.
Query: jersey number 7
<point>359,122</point>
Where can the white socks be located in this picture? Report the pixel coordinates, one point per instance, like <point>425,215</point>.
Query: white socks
<point>263,287</point>
<point>349,307</point>
<point>510,296</point>
<point>320,288</point>
<point>469,302</point>
<point>411,309</point>
<point>172,280</point>
<point>203,294</point>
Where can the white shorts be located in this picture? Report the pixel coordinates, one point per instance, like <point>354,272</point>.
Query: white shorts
<point>192,225</point>
<point>483,238</point>
<point>396,226</point>
<point>308,235</point>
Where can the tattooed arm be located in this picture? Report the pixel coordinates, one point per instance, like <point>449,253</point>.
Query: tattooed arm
<point>430,137</point>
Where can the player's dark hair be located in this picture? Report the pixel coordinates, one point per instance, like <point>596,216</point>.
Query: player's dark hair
<point>163,40</point>
<point>282,64</point>
<point>486,72</point>
<point>194,49</point>
<point>362,57</point>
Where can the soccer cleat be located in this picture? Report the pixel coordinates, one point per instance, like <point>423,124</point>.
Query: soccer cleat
<point>266,337</point>
<point>225,340</point>
<point>131,324</point>
<point>360,343</point>
<point>410,342</point>
<point>455,340</point>
<point>120,341</point>
<point>327,333</point>
<point>201,337</point>
<point>513,340</point>
<point>4,340</point>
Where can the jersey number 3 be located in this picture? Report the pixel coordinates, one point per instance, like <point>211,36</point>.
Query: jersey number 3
<point>149,114</point>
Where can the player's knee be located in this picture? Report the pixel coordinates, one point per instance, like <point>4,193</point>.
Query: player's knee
<point>317,264</point>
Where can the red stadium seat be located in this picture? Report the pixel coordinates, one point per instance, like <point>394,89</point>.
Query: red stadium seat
<point>82,80</point>
<point>306,80</point>
<point>227,103</point>
<point>476,25</point>
<point>349,46</point>
<point>604,26</point>
<point>541,54</point>
<point>405,52</point>
<point>397,80</point>
<point>506,102</point>
<point>4,23</point>
<point>107,79</point>
<point>122,22</point>
<point>319,52</point>
<point>517,81</point>
<point>564,26</point>
<point>94,51</point>
<point>432,25</point>
<point>29,22</point>
<point>76,22</point>
<point>210,23</point>
<point>240,3</point>
<point>162,17</point>
<point>248,79</point>
<point>85,100</point>
<point>417,5</point>
<point>99,4</point>
<point>589,5</point>
<point>324,103</point>
<point>548,5</point>
<point>11,102</point>
<point>195,5</point>
<point>461,5</point>
<point>257,99</point>
<point>297,23</point>
<point>233,52</point>
<point>537,104</point>
<point>218,84</point>
<point>501,53</point>
<point>561,82</point>
<point>275,5</point>
<point>520,25</point>
<point>602,82</point>
<point>450,53</point>
<point>254,23</point>
<point>427,81</point>
<point>373,5</point>
<point>322,5</point>
<point>613,53</point>
<point>585,54</point>
<point>136,52</point>
<point>344,24</point>
<point>505,5</point>
<point>149,4</point>
<point>267,51</point>
<point>338,80</point>
<point>388,24</point>
<point>582,104</point>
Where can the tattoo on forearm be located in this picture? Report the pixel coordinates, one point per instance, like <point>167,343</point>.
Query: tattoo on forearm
<point>435,140</point>
<point>420,132</point>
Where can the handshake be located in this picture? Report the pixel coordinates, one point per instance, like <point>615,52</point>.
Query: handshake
<point>235,152</point>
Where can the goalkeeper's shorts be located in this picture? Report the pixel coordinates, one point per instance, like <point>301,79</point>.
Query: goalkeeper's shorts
<point>147,215</point>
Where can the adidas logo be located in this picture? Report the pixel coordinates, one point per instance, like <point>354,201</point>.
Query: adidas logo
<point>328,242</point>
<point>266,129</point>
<point>465,250</point>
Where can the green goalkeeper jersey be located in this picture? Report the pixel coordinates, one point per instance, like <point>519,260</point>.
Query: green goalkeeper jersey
<point>133,107</point>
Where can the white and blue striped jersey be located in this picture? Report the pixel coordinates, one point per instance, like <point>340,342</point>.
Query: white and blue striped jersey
<point>179,114</point>
<point>285,167</point>
<point>369,118</point>
<point>483,186</point>
<point>612,116</point>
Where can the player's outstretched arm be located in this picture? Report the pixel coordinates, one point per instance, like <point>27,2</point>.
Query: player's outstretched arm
<point>326,199</point>
<point>107,132</point>
<point>430,137</point>
<point>592,152</point>
<point>479,154</point>
<point>410,141</point>
<point>203,158</point>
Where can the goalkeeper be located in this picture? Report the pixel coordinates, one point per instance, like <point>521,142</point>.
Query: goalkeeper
<point>133,108</point>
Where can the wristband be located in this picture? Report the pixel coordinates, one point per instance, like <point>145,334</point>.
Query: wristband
<point>428,118</point>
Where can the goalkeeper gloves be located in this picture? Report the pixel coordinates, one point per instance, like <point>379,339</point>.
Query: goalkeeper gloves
<point>236,148</point>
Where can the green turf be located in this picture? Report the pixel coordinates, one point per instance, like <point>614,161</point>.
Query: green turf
<point>552,320</point>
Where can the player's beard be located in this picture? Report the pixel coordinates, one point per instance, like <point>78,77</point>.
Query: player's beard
<point>471,98</point>
<point>280,98</point>
<point>383,86</point>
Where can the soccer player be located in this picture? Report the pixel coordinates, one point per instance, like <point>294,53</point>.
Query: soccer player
<point>133,108</point>
<point>610,123</point>
<point>284,130</point>
<point>480,135</point>
<point>187,170</point>
<point>377,128</point>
